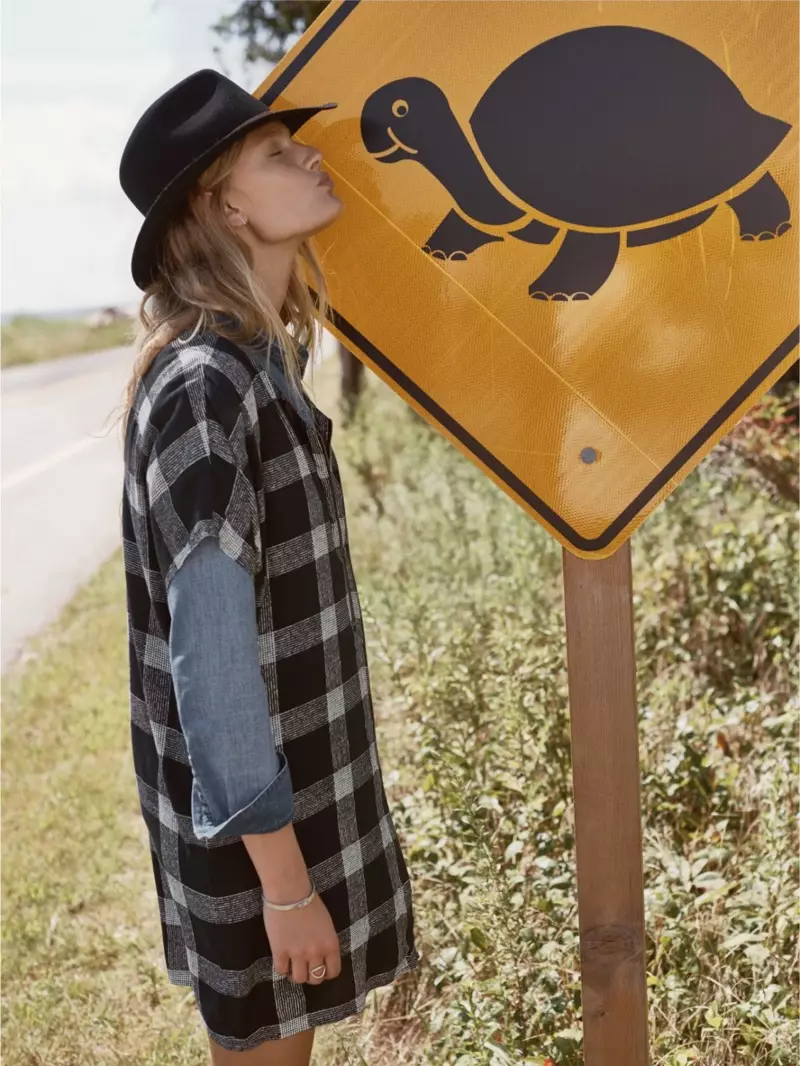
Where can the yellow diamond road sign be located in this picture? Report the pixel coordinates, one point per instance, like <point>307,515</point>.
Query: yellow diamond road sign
<point>569,237</point>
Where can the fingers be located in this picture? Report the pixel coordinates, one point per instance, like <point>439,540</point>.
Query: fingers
<point>298,969</point>
<point>333,961</point>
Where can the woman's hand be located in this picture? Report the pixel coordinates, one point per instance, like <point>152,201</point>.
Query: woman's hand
<point>300,940</point>
<point>303,940</point>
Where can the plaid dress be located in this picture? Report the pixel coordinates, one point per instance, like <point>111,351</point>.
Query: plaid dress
<point>213,449</point>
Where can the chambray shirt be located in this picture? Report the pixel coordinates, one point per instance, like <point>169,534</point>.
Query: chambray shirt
<point>241,782</point>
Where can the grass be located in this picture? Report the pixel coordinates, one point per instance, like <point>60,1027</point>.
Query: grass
<point>81,942</point>
<point>463,611</point>
<point>29,339</point>
<point>463,602</point>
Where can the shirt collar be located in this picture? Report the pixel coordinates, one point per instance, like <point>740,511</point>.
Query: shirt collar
<point>259,346</point>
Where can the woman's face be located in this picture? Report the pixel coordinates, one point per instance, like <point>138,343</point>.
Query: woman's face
<point>276,186</point>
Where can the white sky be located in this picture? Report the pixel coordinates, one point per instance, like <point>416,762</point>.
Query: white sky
<point>75,79</point>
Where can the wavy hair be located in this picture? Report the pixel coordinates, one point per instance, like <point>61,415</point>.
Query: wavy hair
<point>207,271</point>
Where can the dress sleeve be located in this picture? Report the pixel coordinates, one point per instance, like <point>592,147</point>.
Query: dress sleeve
<point>241,783</point>
<point>200,477</point>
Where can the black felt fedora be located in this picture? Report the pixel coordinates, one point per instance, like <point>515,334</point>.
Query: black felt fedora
<point>175,140</point>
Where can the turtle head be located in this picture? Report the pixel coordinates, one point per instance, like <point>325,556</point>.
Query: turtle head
<point>404,119</point>
<point>411,118</point>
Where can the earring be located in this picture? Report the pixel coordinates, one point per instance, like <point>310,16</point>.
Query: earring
<point>241,218</point>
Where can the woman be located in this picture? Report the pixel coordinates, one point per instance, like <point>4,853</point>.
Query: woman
<point>283,893</point>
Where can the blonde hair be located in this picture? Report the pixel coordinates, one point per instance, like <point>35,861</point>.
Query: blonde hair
<point>207,270</point>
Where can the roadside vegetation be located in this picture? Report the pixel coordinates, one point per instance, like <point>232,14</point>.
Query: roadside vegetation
<point>30,339</point>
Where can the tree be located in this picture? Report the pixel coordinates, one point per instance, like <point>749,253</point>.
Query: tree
<point>787,388</point>
<point>267,30</point>
<point>266,27</point>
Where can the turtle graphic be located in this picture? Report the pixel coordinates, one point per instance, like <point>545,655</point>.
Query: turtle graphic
<point>609,127</point>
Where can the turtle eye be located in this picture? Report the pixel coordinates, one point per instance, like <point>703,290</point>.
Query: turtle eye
<point>400,108</point>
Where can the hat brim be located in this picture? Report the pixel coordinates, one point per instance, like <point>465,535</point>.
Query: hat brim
<point>146,248</point>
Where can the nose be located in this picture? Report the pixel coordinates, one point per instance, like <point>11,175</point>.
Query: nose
<point>315,159</point>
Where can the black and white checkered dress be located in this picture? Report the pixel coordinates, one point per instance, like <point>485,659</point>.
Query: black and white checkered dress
<point>213,449</point>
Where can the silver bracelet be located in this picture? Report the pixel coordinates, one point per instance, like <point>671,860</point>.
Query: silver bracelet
<point>290,906</point>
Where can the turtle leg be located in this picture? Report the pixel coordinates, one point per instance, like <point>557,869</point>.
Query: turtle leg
<point>762,210</point>
<point>455,238</point>
<point>581,265</point>
<point>535,232</point>
<point>654,234</point>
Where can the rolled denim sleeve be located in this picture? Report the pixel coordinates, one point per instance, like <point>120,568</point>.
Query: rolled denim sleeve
<point>241,783</point>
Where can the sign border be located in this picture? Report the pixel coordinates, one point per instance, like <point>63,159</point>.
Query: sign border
<point>520,489</point>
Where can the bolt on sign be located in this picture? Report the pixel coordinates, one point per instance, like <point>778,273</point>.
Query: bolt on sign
<point>569,238</point>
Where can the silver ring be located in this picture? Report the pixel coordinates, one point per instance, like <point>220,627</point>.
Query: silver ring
<point>319,976</point>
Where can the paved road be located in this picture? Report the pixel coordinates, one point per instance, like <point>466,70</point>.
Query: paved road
<point>61,484</point>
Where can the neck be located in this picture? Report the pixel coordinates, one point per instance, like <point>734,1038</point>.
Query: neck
<point>258,346</point>
<point>451,159</point>
<point>273,265</point>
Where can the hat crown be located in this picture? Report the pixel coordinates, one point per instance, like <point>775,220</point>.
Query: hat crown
<point>181,125</point>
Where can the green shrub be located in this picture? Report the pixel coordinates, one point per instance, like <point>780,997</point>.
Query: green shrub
<point>463,604</point>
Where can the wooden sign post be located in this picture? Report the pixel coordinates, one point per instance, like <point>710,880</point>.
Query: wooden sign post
<point>601,666</point>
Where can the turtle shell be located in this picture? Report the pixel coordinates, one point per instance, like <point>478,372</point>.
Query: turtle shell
<point>613,126</point>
